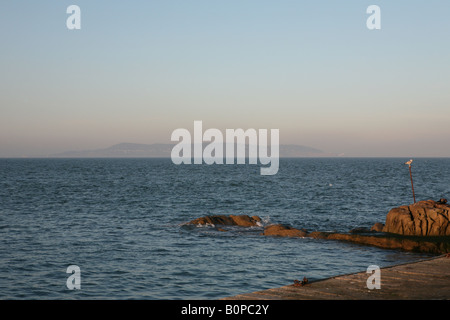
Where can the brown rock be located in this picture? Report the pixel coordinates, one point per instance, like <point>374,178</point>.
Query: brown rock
<point>245,221</point>
<point>360,230</point>
<point>424,218</point>
<point>231,220</point>
<point>377,227</point>
<point>281,230</point>
<point>407,243</point>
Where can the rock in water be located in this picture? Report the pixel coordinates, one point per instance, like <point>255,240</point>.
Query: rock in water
<point>424,218</point>
<point>360,230</point>
<point>281,230</point>
<point>377,227</point>
<point>246,221</point>
<point>231,220</point>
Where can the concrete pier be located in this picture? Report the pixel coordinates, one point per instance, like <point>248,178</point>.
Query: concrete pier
<point>422,280</point>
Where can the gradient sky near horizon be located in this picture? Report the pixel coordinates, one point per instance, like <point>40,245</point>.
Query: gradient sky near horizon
<point>138,70</point>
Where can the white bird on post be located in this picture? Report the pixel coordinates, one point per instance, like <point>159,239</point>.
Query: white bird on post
<point>410,174</point>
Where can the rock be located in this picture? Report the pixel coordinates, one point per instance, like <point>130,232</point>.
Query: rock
<point>360,230</point>
<point>377,227</point>
<point>246,221</point>
<point>429,213</point>
<point>424,218</point>
<point>407,243</point>
<point>281,230</point>
<point>231,220</point>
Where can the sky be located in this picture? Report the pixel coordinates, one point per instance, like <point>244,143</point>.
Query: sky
<point>136,71</point>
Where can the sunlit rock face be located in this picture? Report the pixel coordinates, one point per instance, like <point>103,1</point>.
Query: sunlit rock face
<point>424,218</point>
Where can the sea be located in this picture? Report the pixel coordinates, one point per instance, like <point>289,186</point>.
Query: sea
<point>122,222</point>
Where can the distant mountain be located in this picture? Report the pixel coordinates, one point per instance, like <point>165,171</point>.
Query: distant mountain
<point>293,150</point>
<point>159,150</point>
<point>122,150</point>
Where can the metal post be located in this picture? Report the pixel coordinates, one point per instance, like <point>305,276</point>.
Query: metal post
<point>412,185</point>
<point>410,175</point>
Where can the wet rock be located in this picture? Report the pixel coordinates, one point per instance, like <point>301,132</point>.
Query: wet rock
<point>280,230</point>
<point>433,245</point>
<point>231,220</point>
<point>246,221</point>
<point>424,218</point>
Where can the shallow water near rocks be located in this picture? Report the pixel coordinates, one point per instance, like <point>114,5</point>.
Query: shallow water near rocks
<point>122,222</point>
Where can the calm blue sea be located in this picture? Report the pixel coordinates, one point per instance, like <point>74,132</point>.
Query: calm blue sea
<point>121,221</point>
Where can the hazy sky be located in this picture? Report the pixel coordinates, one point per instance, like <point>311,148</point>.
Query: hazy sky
<point>137,70</point>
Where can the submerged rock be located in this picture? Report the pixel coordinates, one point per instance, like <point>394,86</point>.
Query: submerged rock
<point>424,218</point>
<point>231,220</point>
<point>281,230</point>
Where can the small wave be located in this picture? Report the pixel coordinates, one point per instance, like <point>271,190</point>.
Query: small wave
<point>264,221</point>
<point>198,225</point>
<point>205,225</point>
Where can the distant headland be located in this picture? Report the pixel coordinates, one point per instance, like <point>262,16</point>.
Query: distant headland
<point>160,150</point>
